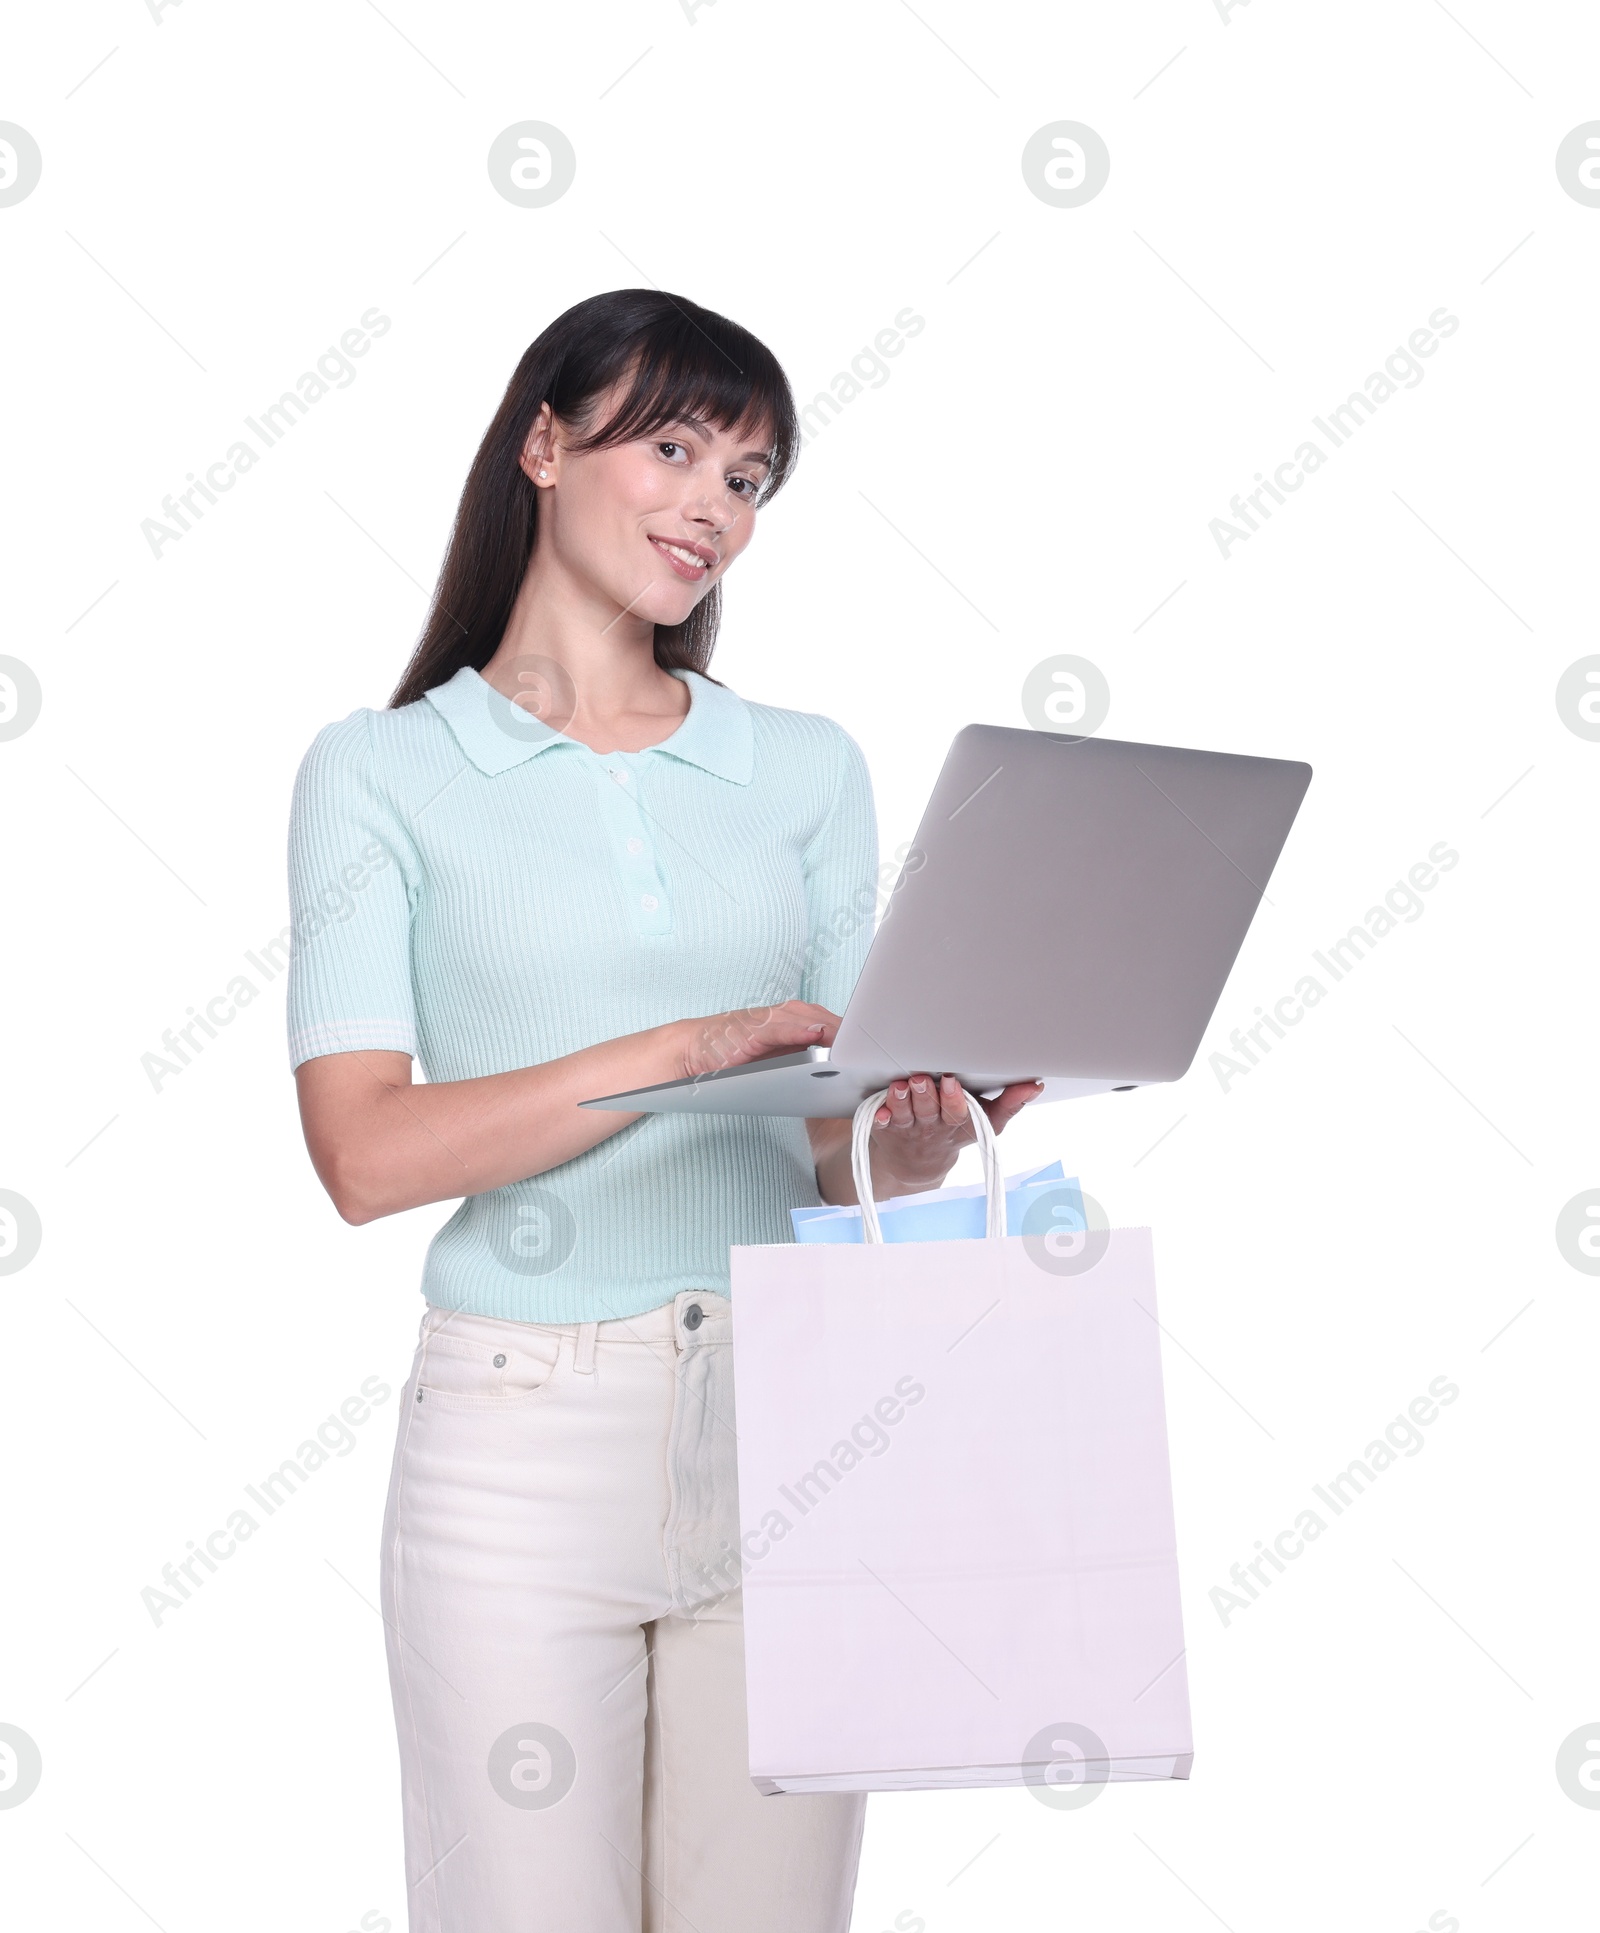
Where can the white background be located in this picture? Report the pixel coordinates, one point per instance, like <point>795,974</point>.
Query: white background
<point>1292,192</point>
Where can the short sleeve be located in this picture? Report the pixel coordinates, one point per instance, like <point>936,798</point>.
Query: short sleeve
<point>841,881</point>
<point>350,863</point>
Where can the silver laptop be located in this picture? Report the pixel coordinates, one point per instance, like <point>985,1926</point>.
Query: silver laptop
<point>1069,909</point>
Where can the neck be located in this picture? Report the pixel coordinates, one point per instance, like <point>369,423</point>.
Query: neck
<point>618,692</point>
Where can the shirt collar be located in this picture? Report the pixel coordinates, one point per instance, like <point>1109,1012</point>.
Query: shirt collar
<point>716,734</point>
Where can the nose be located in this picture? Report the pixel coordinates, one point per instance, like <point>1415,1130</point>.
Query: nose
<point>713,517</point>
<point>718,511</point>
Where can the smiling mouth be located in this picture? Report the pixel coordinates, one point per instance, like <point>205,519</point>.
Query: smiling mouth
<point>686,561</point>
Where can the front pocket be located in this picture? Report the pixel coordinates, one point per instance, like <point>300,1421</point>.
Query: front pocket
<point>461,1372</point>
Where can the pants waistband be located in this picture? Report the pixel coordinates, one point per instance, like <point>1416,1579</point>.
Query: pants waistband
<point>672,1321</point>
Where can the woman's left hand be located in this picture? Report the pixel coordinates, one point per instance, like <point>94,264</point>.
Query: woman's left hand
<point>924,1124</point>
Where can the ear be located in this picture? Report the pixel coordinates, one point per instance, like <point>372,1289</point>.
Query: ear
<point>539,459</point>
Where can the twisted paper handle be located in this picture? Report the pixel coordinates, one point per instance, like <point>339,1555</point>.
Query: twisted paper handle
<point>994,1227</point>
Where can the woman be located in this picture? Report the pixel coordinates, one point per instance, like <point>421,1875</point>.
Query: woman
<point>566,861</point>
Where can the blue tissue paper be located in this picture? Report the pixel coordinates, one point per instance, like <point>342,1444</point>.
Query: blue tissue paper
<point>948,1214</point>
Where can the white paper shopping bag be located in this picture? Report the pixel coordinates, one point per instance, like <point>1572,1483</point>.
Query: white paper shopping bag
<point>956,1513</point>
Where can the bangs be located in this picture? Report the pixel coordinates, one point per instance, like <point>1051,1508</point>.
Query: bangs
<point>702,367</point>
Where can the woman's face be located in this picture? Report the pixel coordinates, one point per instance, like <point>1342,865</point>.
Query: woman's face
<point>648,525</point>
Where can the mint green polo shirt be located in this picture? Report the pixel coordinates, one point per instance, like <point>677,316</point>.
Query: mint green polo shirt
<point>474,889</point>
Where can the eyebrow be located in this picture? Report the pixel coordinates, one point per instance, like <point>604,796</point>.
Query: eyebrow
<point>750,456</point>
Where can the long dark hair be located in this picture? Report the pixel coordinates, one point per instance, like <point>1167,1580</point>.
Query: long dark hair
<point>683,361</point>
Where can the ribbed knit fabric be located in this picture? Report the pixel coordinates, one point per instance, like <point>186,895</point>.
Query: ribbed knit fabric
<point>471,888</point>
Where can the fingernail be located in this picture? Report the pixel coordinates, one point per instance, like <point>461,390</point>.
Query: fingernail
<point>815,1027</point>
<point>918,1087</point>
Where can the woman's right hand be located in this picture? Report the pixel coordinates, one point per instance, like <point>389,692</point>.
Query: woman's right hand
<point>751,1033</point>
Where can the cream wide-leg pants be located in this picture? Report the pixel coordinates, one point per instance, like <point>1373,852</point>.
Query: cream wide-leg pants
<point>561,1596</point>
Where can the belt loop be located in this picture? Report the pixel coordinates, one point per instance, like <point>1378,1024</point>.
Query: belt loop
<point>583,1362</point>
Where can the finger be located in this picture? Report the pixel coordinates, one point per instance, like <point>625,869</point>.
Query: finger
<point>925,1106</point>
<point>797,1023</point>
<point>1010,1102</point>
<point>953,1103</point>
<point>896,1109</point>
<point>760,1044</point>
<point>803,1017</point>
<point>750,1033</point>
<point>808,1010</point>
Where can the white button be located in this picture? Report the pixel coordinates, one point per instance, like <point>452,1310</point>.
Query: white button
<point>620,777</point>
<point>636,845</point>
<point>649,902</point>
